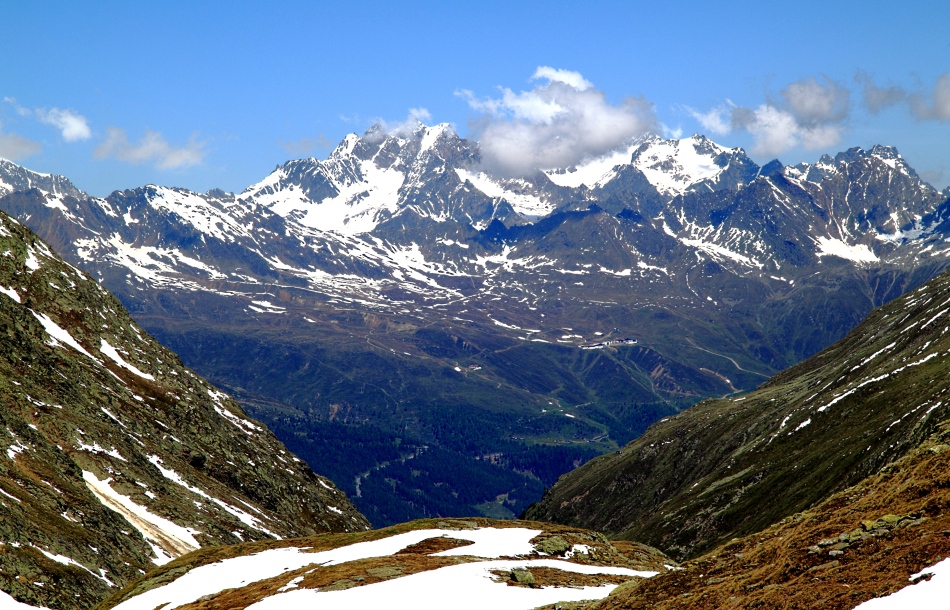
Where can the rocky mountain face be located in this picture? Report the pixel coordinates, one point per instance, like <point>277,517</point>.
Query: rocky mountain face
<point>731,467</point>
<point>396,298</point>
<point>114,457</point>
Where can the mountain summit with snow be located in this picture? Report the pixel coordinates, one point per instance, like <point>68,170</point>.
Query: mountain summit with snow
<point>398,296</point>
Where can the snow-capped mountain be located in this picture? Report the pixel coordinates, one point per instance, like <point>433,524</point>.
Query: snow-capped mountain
<point>671,167</point>
<point>14,178</point>
<point>396,277</point>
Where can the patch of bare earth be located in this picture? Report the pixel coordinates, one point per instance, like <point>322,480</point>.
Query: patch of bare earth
<point>552,577</point>
<point>326,578</point>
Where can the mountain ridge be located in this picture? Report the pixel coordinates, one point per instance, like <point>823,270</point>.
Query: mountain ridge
<point>409,263</point>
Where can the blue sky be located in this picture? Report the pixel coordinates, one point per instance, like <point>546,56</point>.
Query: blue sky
<point>201,95</point>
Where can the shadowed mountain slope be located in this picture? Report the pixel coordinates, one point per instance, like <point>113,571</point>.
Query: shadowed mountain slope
<point>727,468</point>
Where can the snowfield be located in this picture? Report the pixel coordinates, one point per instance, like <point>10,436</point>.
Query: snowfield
<point>466,585</point>
<point>460,587</point>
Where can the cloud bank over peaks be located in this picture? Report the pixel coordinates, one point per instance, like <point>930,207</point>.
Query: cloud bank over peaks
<point>810,114</point>
<point>151,148</point>
<point>560,123</point>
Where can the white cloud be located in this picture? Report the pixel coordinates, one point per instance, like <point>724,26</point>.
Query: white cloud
<point>20,110</point>
<point>557,124</point>
<point>811,115</point>
<point>776,130</point>
<point>812,102</point>
<point>72,125</point>
<point>16,148</point>
<point>671,132</point>
<point>568,77</point>
<point>938,108</point>
<point>715,121</point>
<point>152,148</point>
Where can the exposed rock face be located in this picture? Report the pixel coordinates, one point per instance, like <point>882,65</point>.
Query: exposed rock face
<point>115,457</point>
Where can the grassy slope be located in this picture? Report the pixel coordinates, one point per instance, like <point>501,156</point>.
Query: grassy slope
<point>860,543</point>
<point>732,467</point>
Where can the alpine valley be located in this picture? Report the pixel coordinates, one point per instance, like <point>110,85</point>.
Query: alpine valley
<point>442,342</point>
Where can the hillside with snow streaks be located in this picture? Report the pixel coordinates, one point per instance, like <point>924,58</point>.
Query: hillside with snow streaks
<point>115,458</point>
<point>810,431</point>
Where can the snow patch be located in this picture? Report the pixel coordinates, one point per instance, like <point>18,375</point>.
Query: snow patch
<point>593,173</point>
<point>10,293</point>
<point>167,539</point>
<point>113,354</point>
<point>8,603</point>
<point>59,335</point>
<point>859,253</point>
<point>924,595</point>
<point>522,203</point>
<point>240,571</point>
<point>244,425</point>
<point>460,587</point>
<point>243,516</point>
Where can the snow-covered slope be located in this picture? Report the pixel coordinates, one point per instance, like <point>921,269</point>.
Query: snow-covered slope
<point>672,167</point>
<point>444,564</point>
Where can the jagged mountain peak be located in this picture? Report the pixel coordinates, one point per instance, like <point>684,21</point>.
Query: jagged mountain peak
<point>888,155</point>
<point>15,178</point>
<point>696,163</point>
<point>670,166</point>
<point>408,140</point>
